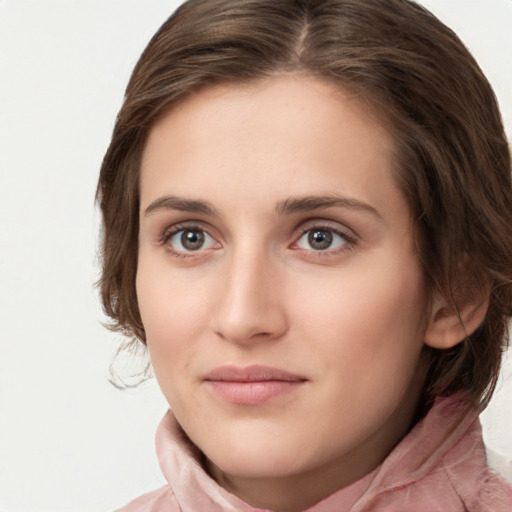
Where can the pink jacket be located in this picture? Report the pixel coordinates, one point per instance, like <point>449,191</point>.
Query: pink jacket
<point>439,466</point>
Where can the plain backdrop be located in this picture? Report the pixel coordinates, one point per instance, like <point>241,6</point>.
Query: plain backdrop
<point>69,440</point>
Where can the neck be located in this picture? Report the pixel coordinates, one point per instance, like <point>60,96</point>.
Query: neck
<point>295,493</point>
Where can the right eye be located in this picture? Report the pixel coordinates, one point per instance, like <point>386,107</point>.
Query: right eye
<point>188,240</point>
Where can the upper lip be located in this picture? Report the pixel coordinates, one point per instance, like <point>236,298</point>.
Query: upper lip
<point>253,373</point>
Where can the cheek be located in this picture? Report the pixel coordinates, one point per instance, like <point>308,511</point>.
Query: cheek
<point>372,317</point>
<point>173,317</point>
<point>174,311</point>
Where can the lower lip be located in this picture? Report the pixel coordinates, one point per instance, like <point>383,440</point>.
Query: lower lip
<point>252,393</point>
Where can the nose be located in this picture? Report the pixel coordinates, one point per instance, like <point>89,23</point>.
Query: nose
<point>250,306</point>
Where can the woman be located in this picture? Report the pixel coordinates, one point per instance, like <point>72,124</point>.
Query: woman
<point>306,211</point>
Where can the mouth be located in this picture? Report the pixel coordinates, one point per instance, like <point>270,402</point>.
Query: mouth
<point>252,385</point>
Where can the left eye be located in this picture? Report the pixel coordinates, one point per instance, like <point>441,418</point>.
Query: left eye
<point>321,239</point>
<point>189,240</point>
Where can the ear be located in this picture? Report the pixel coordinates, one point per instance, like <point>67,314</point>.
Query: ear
<point>452,319</point>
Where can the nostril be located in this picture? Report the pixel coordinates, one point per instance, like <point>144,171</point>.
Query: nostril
<point>249,326</point>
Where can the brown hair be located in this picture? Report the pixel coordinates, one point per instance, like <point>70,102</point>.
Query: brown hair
<point>453,160</point>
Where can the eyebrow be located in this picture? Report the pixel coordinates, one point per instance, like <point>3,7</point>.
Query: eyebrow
<point>286,207</point>
<point>310,203</point>
<point>182,205</point>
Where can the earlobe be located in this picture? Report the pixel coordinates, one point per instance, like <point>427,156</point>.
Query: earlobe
<point>453,319</point>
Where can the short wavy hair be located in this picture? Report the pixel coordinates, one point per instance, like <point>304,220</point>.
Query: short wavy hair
<point>453,162</point>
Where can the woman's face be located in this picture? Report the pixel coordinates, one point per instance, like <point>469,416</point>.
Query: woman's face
<point>282,299</point>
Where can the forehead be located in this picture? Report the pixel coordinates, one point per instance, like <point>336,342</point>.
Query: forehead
<point>275,104</point>
<point>289,135</point>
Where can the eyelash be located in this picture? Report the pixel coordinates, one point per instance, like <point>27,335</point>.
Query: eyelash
<point>169,233</point>
<point>349,239</point>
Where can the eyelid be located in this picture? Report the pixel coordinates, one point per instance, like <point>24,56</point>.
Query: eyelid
<point>326,225</point>
<point>174,229</point>
<point>320,224</point>
<point>192,225</point>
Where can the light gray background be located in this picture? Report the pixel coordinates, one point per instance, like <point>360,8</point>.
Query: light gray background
<point>69,441</point>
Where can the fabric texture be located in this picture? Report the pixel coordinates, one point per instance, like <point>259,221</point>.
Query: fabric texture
<point>440,466</point>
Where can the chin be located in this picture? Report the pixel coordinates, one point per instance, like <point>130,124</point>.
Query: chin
<point>260,465</point>
<point>261,456</point>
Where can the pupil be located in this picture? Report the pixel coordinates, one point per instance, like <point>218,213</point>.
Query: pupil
<point>320,239</point>
<point>192,240</point>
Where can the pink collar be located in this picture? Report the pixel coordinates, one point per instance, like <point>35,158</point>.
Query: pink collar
<point>442,460</point>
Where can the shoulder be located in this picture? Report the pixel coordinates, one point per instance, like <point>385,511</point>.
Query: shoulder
<point>440,465</point>
<point>478,486</point>
<point>491,492</point>
<point>161,500</point>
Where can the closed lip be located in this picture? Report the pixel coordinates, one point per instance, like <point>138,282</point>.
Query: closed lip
<point>252,385</point>
<point>253,373</point>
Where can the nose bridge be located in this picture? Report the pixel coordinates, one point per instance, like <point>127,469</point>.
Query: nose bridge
<point>250,303</point>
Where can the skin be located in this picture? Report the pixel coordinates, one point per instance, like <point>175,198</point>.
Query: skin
<point>349,319</point>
